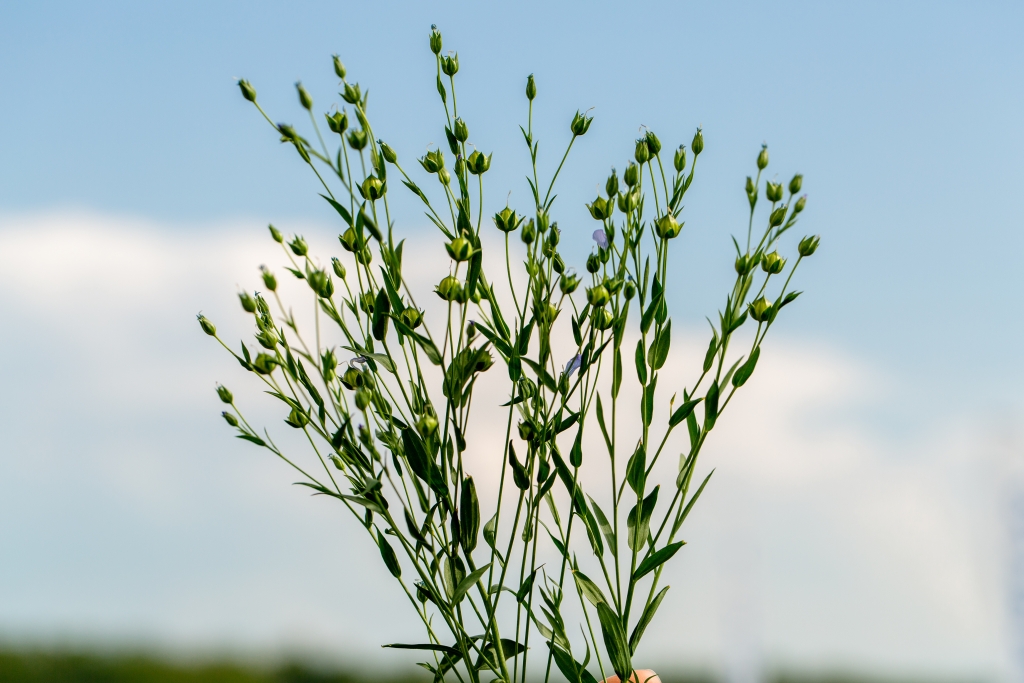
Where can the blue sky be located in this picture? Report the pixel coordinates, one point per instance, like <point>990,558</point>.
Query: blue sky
<point>123,126</point>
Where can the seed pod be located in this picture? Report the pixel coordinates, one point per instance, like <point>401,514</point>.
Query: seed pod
<point>297,418</point>
<point>808,245</point>
<point>363,398</point>
<point>629,290</point>
<point>373,188</point>
<point>229,418</point>
<point>450,65</point>
<point>304,99</point>
<point>568,283</point>
<point>224,394</point>
<point>339,68</point>
<point>269,281</point>
<point>352,379</point>
<point>531,88</point>
<point>412,317</point>
<point>478,163</point>
<point>762,158</point>
<point>357,139</point>
<point>388,153</point>
<point>449,288</point>
<point>557,264</point>
<point>426,425</point>
<point>529,233</point>
<point>777,216</point>
<point>248,303</point>
<point>264,363</point>
<point>593,263</point>
<point>611,186</point>
<point>796,183</point>
<point>351,93</point>
<point>631,176</point>
<point>298,246</point>
<point>599,209</point>
<point>680,159</point>
<point>697,146</point>
<point>773,191</point>
<point>667,227</point>
<point>598,296</point>
<point>432,162</point>
<point>435,40</point>
<point>641,153</point>
<point>800,204</point>
<point>580,124</point>
<point>760,310</point>
<point>208,327</point>
<point>337,122</point>
<point>653,143</point>
<point>444,177</point>
<point>459,249</point>
<point>339,267</point>
<point>461,130</point>
<point>248,92</point>
<point>772,263</point>
<point>506,220</point>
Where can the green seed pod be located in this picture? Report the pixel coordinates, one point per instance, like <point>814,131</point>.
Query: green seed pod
<point>796,183</point>
<point>364,256</point>
<point>444,177</point>
<point>641,153</point>
<point>629,202</point>
<point>269,281</point>
<point>297,418</point>
<point>412,317</point>
<point>435,40</point>
<point>304,99</point>
<point>603,319</point>
<point>208,327</point>
<point>461,130</point>
<point>557,264</point>
<point>751,189</point>
<point>339,68</point>
<point>528,233</point>
<point>478,163</point>
<point>611,186</point>
<point>388,153</point>
<point>800,204</point>
<point>653,143</point>
<point>267,339</point>
<point>350,240</point>
<point>352,379</point>
<point>506,220</point>
<point>743,265</point>
<point>613,285</point>
<point>773,191</point>
<point>426,425</point>
<point>357,139</point>
<point>321,283</point>
<point>680,159</point>
<point>329,363</point>
<point>568,283</point>
<point>288,133</point>
<point>339,267</point>
<point>554,235</point>
<point>697,146</point>
<point>631,176</point>
<point>450,65</point>
<point>772,263</point>
<point>337,122</point>
<point>363,398</point>
<point>248,92</point>
<point>351,93</point>
<point>224,394</point>
<point>460,166</point>
<point>593,263</point>
<point>667,227</point>
<point>229,418</point>
<point>531,88</point>
<point>762,158</point>
<point>808,245</point>
<point>629,290</point>
<point>366,301</point>
<point>459,249</point>
<point>299,246</point>
<point>777,216</point>
<point>760,310</point>
<point>599,210</point>
<point>580,124</point>
<point>248,303</point>
<point>432,162</point>
<point>275,234</point>
<point>526,430</point>
<point>264,363</point>
<point>373,188</point>
<point>598,296</point>
<point>448,288</point>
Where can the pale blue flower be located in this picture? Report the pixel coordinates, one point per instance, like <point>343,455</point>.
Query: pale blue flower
<point>601,238</point>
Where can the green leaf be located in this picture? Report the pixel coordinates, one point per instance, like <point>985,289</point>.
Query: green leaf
<point>469,514</point>
<point>636,469</point>
<point>728,376</point>
<point>637,532</point>
<point>425,646</point>
<point>747,369</point>
<point>615,641</point>
<point>657,559</point>
<point>388,553</point>
<point>381,308</point>
<point>686,510</point>
<point>606,527</point>
<point>383,360</point>
<point>576,454</point>
<point>576,334</point>
<point>647,407</point>
<point>522,481</point>
<point>645,619</point>
<point>573,671</point>
<point>658,353</point>
<point>524,590</point>
<point>641,363</point>
<point>467,583</point>
<point>489,531</point>
<point>420,462</point>
<point>709,357</point>
<point>617,373</point>
<point>345,215</point>
<point>589,589</point>
<point>652,309</point>
<point>683,411</point>
<point>711,406</point>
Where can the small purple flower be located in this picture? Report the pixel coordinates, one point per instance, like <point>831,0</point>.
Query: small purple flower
<point>573,365</point>
<point>357,361</point>
<point>601,238</point>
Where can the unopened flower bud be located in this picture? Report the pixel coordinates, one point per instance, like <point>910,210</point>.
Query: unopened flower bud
<point>641,153</point>
<point>435,40</point>
<point>526,430</point>
<point>601,208</point>
<point>697,146</point>
<point>337,122</point>
<point>352,379</point>
<point>800,204</point>
<point>366,301</point>
<point>667,227</point>
<point>762,158</point>
<point>478,163</point>
<point>350,240</point>
<point>304,99</point>
<point>269,281</point>
<point>593,263</point>
<point>351,93</point>
<point>529,232</point>
<point>267,339</point>
<point>679,161</point>
<point>531,88</point>
<point>772,263</point>
<point>653,143</point>
<point>450,65</point>
<point>777,216</point>
<point>412,317</point>
<point>449,288</point>
<point>743,264</point>
<point>363,398</point>
<point>568,283</point>
<point>357,139</point>
<point>629,290</point>
<point>229,418</point>
<point>460,166</point>
<point>339,68</point>
<point>796,183</point>
<point>426,425</point>
<point>631,176</point>
<point>557,264</point>
<point>388,153</point>
<point>461,130</point>
<point>808,245</point>
<point>444,176</point>
<point>760,310</point>
<point>299,246</point>
<point>208,327</point>
<point>373,188</point>
<point>224,394</point>
<point>773,191</point>
<point>248,92</point>
<point>506,220</point>
<point>611,186</point>
<point>459,249</point>
<point>598,296</point>
<point>248,303</point>
<point>264,363</point>
<point>432,162</point>
<point>580,124</point>
<point>339,267</point>
<point>751,188</point>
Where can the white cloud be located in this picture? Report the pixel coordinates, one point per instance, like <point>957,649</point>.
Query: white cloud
<point>126,508</point>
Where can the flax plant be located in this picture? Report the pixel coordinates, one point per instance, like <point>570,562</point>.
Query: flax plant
<point>387,413</point>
